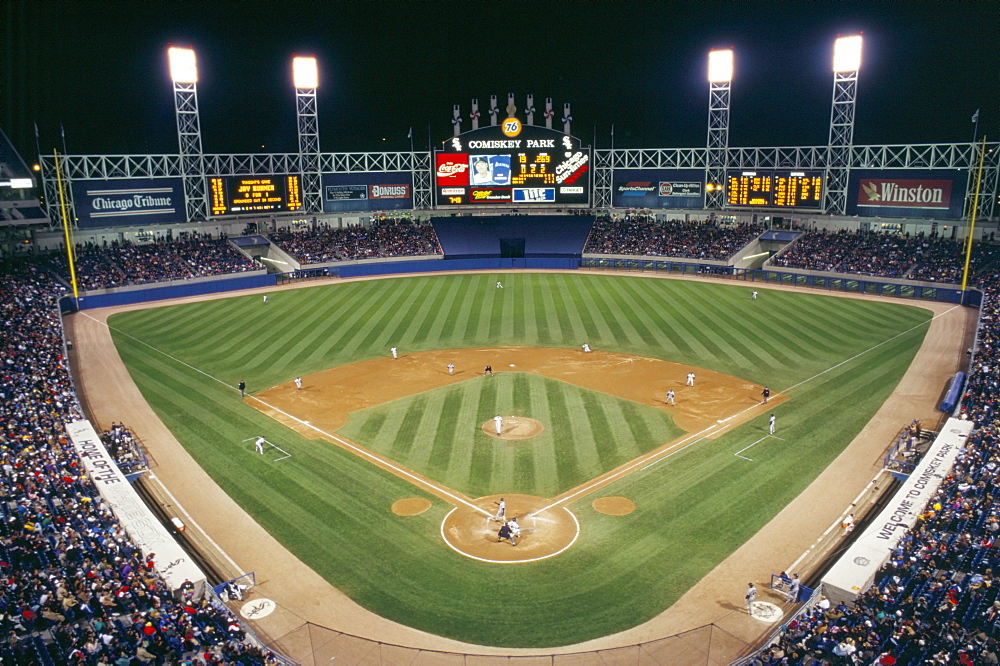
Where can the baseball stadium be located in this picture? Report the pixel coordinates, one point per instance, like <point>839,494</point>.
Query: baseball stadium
<point>512,399</point>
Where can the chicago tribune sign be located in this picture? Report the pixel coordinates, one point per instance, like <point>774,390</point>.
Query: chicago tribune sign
<point>139,201</point>
<point>910,193</point>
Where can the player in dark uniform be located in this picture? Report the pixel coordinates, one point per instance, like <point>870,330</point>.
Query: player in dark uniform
<point>488,371</point>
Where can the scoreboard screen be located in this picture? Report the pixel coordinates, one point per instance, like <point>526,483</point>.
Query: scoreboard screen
<point>512,163</point>
<point>237,195</point>
<point>769,188</point>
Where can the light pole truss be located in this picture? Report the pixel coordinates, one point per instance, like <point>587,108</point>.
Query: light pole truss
<point>838,170</point>
<point>189,141</point>
<point>308,126</point>
<point>718,143</point>
<point>940,156</point>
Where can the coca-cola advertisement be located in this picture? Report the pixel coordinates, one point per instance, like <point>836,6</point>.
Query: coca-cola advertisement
<point>452,169</point>
<point>908,193</point>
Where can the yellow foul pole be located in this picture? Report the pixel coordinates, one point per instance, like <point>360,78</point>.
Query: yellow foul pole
<point>65,219</point>
<point>972,218</point>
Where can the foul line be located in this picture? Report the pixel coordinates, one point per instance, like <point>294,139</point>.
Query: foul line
<point>416,480</point>
<point>862,353</point>
<point>647,462</point>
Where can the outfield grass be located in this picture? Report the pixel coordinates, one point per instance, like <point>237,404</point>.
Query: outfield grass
<point>332,509</point>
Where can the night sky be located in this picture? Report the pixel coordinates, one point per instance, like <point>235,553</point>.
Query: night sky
<point>99,69</point>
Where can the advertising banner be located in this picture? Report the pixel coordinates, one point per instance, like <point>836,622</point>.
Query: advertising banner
<point>658,188</point>
<point>907,193</point>
<point>108,203</point>
<point>344,192</point>
<point>371,191</point>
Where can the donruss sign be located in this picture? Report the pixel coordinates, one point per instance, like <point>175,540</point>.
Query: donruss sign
<point>389,191</point>
<point>899,193</point>
<point>452,169</point>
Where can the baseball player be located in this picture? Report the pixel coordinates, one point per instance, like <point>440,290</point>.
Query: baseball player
<point>395,353</point>
<point>670,396</point>
<point>586,347</point>
<point>504,533</point>
<point>501,514</point>
<point>451,368</point>
<point>753,295</point>
<point>498,422</point>
<point>298,382</point>
<point>488,371</point>
<point>499,284</point>
<point>259,445</point>
<point>515,531</point>
<point>265,298</point>
<point>690,379</point>
<point>770,424</point>
<point>242,386</point>
<point>766,393</point>
<point>750,596</point>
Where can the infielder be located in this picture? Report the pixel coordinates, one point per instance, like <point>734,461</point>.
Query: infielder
<point>670,396</point>
<point>395,353</point>
<point>690,379</point>
<point>498,422</point>
<point>586,347</point>
<point>771,424</point>
<point>259,445</point>
<point>451,368</point>
<point>298,382</point>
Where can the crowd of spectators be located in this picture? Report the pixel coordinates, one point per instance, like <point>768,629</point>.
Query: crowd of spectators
<point>937,600</point>
<point>917,257</point>
<point>76,590</point>
<point>120,264</point>
<point>384,237</point>
<point>642,234</point>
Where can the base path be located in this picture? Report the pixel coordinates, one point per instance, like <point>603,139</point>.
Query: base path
<point>109,395</point>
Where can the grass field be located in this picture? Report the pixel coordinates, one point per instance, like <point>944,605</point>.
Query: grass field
<point>332,508</point>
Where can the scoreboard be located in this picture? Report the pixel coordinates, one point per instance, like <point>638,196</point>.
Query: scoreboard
<point>234,195</point>
<point>512,163</point>
<point>770,188</point>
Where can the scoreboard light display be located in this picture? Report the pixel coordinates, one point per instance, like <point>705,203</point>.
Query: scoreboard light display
<point>768,188</point>
<point>512,163</point>
<point>237,195</point>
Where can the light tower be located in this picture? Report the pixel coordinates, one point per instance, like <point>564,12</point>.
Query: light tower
<point>184,74</point>
<point>846,63</point>
<point>305,77</point>
<point>720,77</point>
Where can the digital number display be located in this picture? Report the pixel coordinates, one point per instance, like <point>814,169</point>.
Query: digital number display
<point>238,195</point>
<point>775,189</point>
<point>512,163</point>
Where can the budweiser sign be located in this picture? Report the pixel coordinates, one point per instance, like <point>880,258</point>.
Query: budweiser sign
<point>452,169</point>
<point>895,193</point>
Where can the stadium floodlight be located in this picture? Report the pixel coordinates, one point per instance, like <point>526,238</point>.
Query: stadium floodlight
<point>720,66</point>
<point>847,54</point>
<point>183,68</point>
<point>304,73</point>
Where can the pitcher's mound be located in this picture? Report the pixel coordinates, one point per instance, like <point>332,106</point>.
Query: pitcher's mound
<point>514,427</point>
<point>545,532</point>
